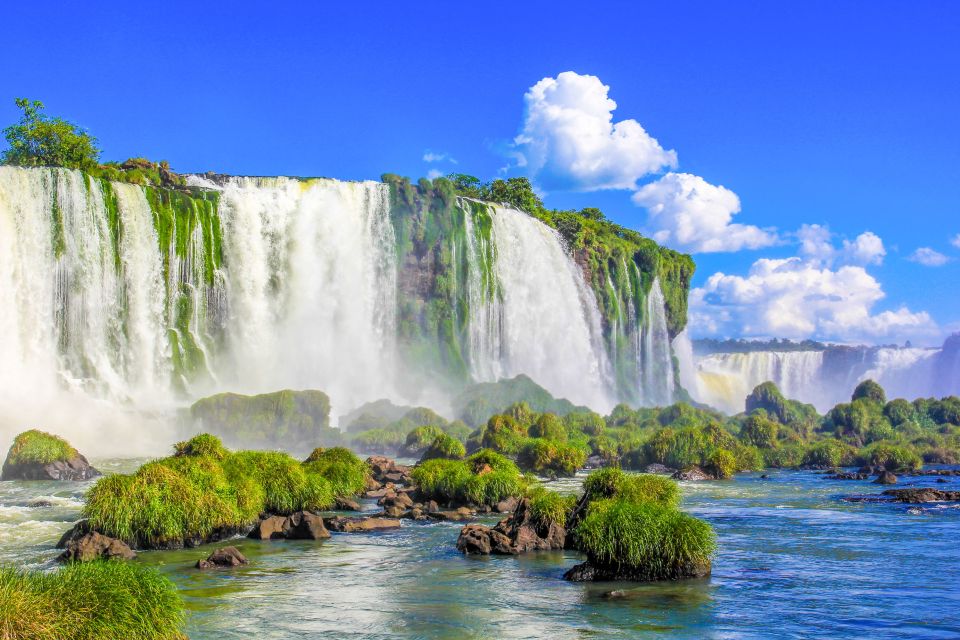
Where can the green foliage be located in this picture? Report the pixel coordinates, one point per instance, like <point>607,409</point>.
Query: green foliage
<point>89,601</point>
<point>827,453</point>
<point>790,412</point>
<point>549,506</point>
<point>657,541</point>
<point>478,402</point>
<point>293,419</point>
<point>748,458</point>
<point>503,434</point>
<point>721,464</point>
<point>890,456</point>
<point>549,427</point>
<point>548,457</point>
<point>202,444</point>
<point>469,481</point>
<point>785,457</point>
<point>760,431</point>
<point>377,441</point>
<point>899,411</point>
<point>869,390</point>
<point>189,497</point>
<point>420,438</point>
<point>39,447</point>
<point>38,140</point>
<point>611,482</point>
<point>422,416</point>
<point>444,446</point>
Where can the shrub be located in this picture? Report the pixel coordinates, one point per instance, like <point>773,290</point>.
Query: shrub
<point>346,472</point>
<point>488,457</point>
<point>458,429</point>
<point>586,422</point>
<point>41,141</point>
<point>522,413</point>
<point>39,447</point>
<point>469,480</point>
<point>441,479</point>
<point>654,540</point>
<point>203,444</point>
<point>491,488</point>
<point>377,440</point>
<point>644,487</point>
<point>444,446</point>
<point>827,453</point>
<point>544,456</point>
<point>891,457</point>
<point>503,433</point>
<point>549,427</point>
<point>870,390</point>
<point>748,458</point>
<point>722,464</point>
<point>767,396</point>
<point>89,601</point>
<point>785,457</point>
<point>759,430</point>
<point>899,411</point>
<point>424,417</point>
<point>420,438</point>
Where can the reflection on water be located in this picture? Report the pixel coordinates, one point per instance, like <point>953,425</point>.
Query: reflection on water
<point>795,560</point>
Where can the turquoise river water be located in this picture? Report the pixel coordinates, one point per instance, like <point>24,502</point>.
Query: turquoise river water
<point>794,561</point>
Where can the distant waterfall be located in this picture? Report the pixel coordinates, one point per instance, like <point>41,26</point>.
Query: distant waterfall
<point>725,379</point>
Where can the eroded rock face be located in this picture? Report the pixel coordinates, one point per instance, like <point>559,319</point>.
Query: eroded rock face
<point>85,546</point>
<point>301,525</point>
<point>384,470</point>
<point>225,557</point>
<point>76,468</point>
<point>517,534</point>
<point>344,524</point>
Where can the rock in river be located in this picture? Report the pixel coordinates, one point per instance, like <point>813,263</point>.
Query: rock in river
<point>225,557</point>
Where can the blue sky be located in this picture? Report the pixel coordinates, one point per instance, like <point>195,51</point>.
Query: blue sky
<point>842,115</point>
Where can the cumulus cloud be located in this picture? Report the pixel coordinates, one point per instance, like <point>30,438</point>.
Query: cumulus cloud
<point>956,241</point>
<point>797,298</point>
<point>817,246</point>
<point>928,257</point>
<point>435,156</point>
<point>688,213</point>
<point>569,139</point>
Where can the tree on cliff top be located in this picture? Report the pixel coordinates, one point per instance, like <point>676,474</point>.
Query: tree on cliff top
<point>41,141</point>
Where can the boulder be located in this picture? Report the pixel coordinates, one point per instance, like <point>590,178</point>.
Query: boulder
<point>395,499</point>
<point>886,478</point>
<point>663,469</point>
<point>344,524</point>
<point>225,557</point>
<point>301,525</point>
<point>85,547</point>
<point>477,539</point>
<point>921,495</point>
<point>459,515</point>
<point>346,504</point>
<point>588,572</point>
<point>694,473</point>
<point>508,505</point>
<point>384,470</point>
<point>76,468</point>
<point>848,476</point>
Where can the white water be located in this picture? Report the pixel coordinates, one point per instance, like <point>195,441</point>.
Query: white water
<point>656,364</point>
<point>485,321</point>
<point>551,325</point>
<point>724,380</point>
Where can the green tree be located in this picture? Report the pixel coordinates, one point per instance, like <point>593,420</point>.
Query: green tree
<point>38,140</point>
<point>871,391</point>
<point>517,192</point>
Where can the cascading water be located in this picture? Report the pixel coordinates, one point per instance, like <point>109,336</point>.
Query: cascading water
<point>656,363</point>
<point>551,327</point>
<point>485,355</point>
<point>725,379</point>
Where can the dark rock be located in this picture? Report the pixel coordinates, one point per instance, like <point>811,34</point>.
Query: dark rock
<point>346,504</point>
<point>921,495</point>
<point>225,557</point>
<point>39,504</point>
<point>76,468</point>
<point>477,539</point>
<point>656,467</point>
<point>764,477</point>
<point>587,572</point>
<point>395,499</point>
<point>528,535</point>
<point>379,493</point>
<point>384,470</point>
<point>453,516</point>
<point>509,505</point>
<point>694,473</point>
<point>94,546</point>
<point>301,525</point>
<point>942,481</point>
<point>848,476</point>
<point>344,524</point>
<point>886,478</point>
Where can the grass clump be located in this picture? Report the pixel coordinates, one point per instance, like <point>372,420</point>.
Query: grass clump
<point>87,601</point>
<point>549,506</point>
<point>549,457</point>
<point>444,446</point>
<point>39,447</point>
<point>206,491</point>
<point>484,478</point>
<point>642,487</point>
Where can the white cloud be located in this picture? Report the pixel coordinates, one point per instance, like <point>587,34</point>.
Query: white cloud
<point>956,241</point>
<point>570,141</point>
<point>797,298</point>
<point>928,257</point>
<point>817,246</point>
<point>433,174</point>
<point>688,213</point>
<point>435,156</point>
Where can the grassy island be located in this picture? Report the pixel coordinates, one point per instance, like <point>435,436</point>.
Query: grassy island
<point>39,447</point>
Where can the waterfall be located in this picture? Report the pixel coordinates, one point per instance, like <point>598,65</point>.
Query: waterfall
<point>656,362</point>
<point>551,325</point>
<point>484,322</point>
<point>724,380</point>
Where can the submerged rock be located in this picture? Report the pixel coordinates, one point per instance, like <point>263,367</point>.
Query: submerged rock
<point>886,478</point>
<point>587,572</point>
<point>848,476</point>
<point>83,545</point>
<point>225,557</point>
<point>301,525</point>
<point>345,524</point>
<point>921,495</point>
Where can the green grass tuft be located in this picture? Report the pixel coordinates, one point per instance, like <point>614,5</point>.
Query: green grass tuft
<point>203,444</point>
<point>90,601</point>
<point>549,506</point>
<point>346,472</point>
<point>644,487</point>
<point>39,447</point>
<point>470,481</point>
<point>444,446</point>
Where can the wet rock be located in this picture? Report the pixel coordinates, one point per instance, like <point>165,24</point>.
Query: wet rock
<point>344,524</point>
<point>915,511</point>
<point>459,515</point>
<point>225,557</point>
<point>656,467</point>
<point>76,468</point>
<point>384,470</point>
<point>39,504</point>
<point>508,505</point>
<point>89,546</point>
<point>694,473</point>
<point>395,499</point>
<point>379,493</point>
<point>848,476</point>
<point>587,572</point>
<point>764,476</point>
<point>886,478</point>
<point>346,504</point>
<point>921,495</point>
<point>477,539</point>
<point>301,525</point>
<point>942,481</point>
